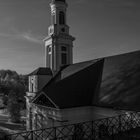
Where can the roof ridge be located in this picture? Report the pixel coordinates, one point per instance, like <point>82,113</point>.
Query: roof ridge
<point>41,71</point>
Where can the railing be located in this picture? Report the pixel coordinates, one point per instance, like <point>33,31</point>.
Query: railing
<point>116,128</point>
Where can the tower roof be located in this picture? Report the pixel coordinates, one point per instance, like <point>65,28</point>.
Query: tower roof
<point>59,1</point>
<point>75,80</point>
<point>41,71</point>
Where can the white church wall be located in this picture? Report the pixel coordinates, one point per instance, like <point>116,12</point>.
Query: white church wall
<point>33,83</point>
<point>84,114</point>
<point>44,117</point>
<point>76,115</point>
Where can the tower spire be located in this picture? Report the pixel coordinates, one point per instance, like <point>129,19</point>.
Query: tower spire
<point>58,43</point>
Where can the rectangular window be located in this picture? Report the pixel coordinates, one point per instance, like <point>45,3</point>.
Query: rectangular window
<point>64,58</point>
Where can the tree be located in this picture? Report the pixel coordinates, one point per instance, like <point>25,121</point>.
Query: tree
<point>13,107</point>
<point>15,100</point>
<point>13,87</point>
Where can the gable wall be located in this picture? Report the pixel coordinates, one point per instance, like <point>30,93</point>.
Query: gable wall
<point>44,117</point>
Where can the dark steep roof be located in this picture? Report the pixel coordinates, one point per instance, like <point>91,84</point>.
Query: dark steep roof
<point>75,85</point>
<point>41,71</point>
<point>74,68</point>
<point>112,81</point>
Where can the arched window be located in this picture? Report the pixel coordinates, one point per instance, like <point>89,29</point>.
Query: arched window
<point>61,17</point>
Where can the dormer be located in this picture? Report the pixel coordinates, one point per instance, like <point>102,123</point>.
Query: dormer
<point>38,79</point>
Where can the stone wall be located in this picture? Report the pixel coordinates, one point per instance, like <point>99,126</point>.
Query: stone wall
<point>44,117</point>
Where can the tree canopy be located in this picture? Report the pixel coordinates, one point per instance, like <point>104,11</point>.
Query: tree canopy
<point>13,87</point>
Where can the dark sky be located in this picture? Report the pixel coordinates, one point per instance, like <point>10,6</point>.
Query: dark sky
<point>101,28</point>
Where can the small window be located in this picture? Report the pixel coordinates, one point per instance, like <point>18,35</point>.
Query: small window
<point>63,49</point>
<point>32,80</point>
<point>49,50</point>
<point>64,58</point>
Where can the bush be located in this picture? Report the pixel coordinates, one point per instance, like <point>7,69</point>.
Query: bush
<point>4,135</point>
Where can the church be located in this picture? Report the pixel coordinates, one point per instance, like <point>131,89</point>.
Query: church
<point>65,93</point>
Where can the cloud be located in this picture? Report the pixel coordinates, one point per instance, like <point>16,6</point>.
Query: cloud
<point>27,36</point>
<point>30,37</point>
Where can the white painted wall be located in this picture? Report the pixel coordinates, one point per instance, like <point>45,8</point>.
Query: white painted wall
<point>70,116</point>
<point>49,117</point>
<point>33,83</point>
<point>83,114</point>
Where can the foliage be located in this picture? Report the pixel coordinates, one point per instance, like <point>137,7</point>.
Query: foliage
<point>13,107</point>
<point>13,88</point>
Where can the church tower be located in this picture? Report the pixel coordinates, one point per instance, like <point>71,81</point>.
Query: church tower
<point>58,43</point>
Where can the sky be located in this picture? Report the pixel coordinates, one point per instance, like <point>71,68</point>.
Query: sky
<point>101,27</point>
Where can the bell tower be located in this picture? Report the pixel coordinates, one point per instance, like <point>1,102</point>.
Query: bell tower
<point>58,43</point>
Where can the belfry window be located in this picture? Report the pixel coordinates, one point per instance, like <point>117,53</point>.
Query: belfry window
<point>63,55</point>
<point>64,58</point>
<point>61,18</point>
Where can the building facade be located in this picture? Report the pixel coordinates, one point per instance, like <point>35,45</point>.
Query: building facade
<point>66,93</point>
<point>58,54</point>
<point>58,43</point>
